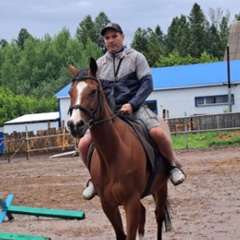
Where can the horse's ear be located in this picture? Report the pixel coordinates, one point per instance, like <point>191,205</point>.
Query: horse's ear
<point>73,70</point>
<point>93,66</point>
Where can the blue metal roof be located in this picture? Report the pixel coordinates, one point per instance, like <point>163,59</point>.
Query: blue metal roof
<point>63,93</point>
<point>195,75</point>
<point>187,76</point>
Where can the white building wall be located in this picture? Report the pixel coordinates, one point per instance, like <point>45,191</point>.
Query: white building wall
<point>179,101</point>
<point>8,129</point>
<point>182,101</point>
<point>64,106</point>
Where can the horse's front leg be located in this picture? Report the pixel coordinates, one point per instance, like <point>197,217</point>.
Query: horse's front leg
<point>133,209</point>
<point>114,216</point>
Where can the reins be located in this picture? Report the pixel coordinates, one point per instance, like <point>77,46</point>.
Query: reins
<point>107,119</point>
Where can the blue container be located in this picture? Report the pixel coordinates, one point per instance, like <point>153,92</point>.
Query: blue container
<point>1,143</point>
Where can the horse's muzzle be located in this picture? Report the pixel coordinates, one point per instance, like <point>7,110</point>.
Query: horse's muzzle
<point>77,130</point>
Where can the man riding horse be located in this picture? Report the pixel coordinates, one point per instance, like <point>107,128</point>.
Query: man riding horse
<point>127,82</point>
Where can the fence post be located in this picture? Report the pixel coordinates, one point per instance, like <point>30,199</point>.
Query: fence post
<point>8,151</point>
<point>186,130</point>
<point>27,143</point>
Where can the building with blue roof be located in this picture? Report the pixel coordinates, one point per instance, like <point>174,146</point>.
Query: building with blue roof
<point>186,90</point>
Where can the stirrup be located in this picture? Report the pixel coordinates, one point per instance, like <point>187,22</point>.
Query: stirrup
<point>89,192</point>
<point>177,176</point>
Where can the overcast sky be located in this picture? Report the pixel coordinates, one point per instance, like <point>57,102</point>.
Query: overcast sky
<point>50,16</point>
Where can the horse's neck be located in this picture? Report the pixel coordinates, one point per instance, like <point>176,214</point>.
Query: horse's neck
<point>106,135</point>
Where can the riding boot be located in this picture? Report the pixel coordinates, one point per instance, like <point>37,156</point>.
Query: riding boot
<point>89,192</point>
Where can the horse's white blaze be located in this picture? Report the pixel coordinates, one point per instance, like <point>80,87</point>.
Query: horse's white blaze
<point>76,113</point>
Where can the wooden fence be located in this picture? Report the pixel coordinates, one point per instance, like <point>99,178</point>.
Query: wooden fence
<point>53,140</point>
<point>45,141</point>
<point>204,123</point>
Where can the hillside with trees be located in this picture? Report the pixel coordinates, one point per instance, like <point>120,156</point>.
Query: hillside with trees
<point>32,70</point>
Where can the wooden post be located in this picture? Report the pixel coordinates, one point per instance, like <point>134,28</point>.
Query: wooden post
<point>186,130</point>
<point>27,143</point>
<point>8,151</point>
<point>229,83</point>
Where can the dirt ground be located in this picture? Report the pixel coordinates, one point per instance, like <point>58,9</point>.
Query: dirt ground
<point>206,206</point>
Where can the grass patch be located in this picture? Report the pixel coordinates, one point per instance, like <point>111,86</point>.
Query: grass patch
<point>207,139</point>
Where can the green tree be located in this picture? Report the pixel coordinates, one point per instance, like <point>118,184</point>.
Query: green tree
<point>140,41</point>
<point>12,106</point>
<point>174,59</point>
<point>41,64</point>
<point>100,22</point>
<point>10,56</point>
<point>215,17</point>
<point>91,50</point>
<point>218,36</point>
<point>149,43</point>
<point>214,46</point>
<point>160,34</point>
<point>171,36</point>
<point>198,27</point>
<point>22,37</point>
<point>87,29</point>
<point>224,33</point>
<point>177,38</point>
<point>31,66</point>
<point>155,46</point>
<point>59,54</point>
<point>207,58</point>
<point>237,17</point>
<point>3,43</point>
<point>38,68</point>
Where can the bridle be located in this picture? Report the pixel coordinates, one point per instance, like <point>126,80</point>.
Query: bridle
<point>91,113</point>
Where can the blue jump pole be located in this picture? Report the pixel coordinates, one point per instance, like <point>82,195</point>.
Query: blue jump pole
<point>8,210</point>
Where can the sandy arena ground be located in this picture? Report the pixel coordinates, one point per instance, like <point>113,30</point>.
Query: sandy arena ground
<point>206,206</point>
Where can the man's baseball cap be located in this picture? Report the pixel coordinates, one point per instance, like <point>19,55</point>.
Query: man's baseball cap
<point>113,26</point>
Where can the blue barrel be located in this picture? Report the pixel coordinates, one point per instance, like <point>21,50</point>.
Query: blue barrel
<point>1,143</point>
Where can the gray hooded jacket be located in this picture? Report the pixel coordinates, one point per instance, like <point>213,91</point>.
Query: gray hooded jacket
<point>127,76</point>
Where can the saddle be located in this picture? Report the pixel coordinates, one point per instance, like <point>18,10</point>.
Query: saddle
<point>156,162</point>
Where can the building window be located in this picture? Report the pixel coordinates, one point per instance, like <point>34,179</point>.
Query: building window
<point>152,104</point>
<point>213,100</point>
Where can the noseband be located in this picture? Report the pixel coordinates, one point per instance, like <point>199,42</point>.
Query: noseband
<point>90,113</point>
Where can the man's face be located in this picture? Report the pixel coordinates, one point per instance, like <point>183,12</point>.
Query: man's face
<point>113,40</point>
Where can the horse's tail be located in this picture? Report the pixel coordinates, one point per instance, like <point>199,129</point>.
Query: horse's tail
<point>167,218</point>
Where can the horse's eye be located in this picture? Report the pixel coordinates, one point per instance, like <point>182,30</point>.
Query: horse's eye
<point>93,92</point>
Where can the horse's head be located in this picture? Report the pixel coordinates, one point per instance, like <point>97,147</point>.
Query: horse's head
<point>85,99</point>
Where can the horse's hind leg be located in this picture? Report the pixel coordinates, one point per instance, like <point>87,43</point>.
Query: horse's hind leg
<point>113,214</point>
<point>142,221</point>
<point>161,213</point>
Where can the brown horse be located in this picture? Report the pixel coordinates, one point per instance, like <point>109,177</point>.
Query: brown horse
<point>118,167</point>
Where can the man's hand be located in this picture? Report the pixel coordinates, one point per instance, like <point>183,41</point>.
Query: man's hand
<point>126,109</point>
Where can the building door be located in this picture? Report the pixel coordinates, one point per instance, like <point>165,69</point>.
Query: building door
<point>152,104</point>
